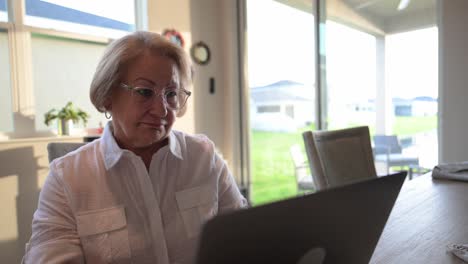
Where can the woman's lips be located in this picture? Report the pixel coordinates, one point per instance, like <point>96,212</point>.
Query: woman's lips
<point>154,125</point>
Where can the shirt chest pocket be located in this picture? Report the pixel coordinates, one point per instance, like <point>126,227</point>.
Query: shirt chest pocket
<point>104,235</point>
<point>196,206</point>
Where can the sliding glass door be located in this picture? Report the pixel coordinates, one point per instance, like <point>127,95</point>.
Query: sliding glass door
<point>382,71</point>
<point>378,68</point>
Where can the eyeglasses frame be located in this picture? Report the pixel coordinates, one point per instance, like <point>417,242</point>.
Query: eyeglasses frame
<point>133,88</point>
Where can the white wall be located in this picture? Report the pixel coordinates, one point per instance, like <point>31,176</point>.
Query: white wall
<point>453,81</point>
<point>175,14</point>
<point>217,115</point>
<point>23,169</point>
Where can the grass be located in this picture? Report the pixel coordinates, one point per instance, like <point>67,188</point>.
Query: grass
<point>272,167</point>
<point>273,170</point>
<point>407,126</point>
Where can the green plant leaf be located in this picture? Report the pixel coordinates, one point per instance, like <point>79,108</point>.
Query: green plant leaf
<point>68,112</point>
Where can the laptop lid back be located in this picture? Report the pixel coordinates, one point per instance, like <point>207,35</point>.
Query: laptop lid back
<point>343,224</point>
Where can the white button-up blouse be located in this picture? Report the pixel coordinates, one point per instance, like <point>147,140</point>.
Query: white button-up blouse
<point>100,204</point>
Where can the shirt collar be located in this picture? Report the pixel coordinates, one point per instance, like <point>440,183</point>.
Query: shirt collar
<point>109,148</point>
<point>112,152</point>
<point>174,145</point>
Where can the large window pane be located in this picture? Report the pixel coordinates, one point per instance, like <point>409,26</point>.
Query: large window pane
<point>282,86</point>
<point>98,17</point>
<point>351,77</point>
<point>413,80</point>
<point>381,71</point>
<point>6,116</point>
<point>62,71</point>
<point>3,11</point>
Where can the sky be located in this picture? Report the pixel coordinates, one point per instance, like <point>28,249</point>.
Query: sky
<point>280,43</point>
<point>412,63</point>
<point>281,46</point>
<point>122,10</point>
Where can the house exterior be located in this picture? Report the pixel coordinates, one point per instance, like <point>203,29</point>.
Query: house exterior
<point>402,107</point>
<point>424,106</point>
<point>418,106</point>
<point>283,106</point>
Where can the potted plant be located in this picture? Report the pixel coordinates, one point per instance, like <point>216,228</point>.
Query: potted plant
<point>66,116</point>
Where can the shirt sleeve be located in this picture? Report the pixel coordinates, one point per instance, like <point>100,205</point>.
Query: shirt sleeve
<point>54,236</point>
<point>229,197</point>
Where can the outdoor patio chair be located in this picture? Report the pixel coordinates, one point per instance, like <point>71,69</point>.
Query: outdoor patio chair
<point>301,170</point>
<point>339,157</point>
<point>388,150</point>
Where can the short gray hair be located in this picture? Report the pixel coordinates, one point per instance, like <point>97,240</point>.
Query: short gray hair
<point>122,51</point>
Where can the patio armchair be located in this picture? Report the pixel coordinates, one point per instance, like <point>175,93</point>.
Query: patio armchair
<point>339,157</point>
<point>387,149</point>
<point>304,180</point>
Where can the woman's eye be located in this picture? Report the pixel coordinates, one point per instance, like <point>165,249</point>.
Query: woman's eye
<point>171,94</point>
<point>145,92</point>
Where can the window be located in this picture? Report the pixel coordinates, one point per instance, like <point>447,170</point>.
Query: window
<point>6,114</point>
<point>53,57</point>
<point>350,76</point>
<point>290,110</point>
<point>3,11</point>
<point>54,74</point>
<point>382,72</point>
<point>269,109</point>
<point>375,65</point>
<point>412,68</point>
<point>85,16</point>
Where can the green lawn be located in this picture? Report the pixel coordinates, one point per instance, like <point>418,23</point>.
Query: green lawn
<point>406,126</point>
<point>272,167</point>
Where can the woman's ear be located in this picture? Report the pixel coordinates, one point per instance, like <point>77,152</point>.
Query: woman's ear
<point>108,100</point>
<point>108,104</point>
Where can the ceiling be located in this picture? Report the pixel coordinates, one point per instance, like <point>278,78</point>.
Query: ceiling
<point>389,8</point>
<point>375,16</point>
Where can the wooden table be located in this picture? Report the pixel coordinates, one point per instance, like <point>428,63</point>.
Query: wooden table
<point>428,215</point>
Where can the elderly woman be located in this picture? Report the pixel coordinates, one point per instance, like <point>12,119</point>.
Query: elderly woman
<point>141,192</point>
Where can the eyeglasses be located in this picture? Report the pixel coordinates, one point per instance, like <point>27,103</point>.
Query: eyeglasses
<point>174,98</point>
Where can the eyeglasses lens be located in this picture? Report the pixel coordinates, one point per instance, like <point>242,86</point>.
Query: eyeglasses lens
<point>173,98</point>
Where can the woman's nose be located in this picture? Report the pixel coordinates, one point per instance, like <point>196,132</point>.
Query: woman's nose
<point>159,106</point>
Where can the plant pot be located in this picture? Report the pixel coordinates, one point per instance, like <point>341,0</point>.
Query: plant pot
<point>65,127</point>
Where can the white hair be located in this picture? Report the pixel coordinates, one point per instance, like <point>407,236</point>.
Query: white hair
<point>121,52</point>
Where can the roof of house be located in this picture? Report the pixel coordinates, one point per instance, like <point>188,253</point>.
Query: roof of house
<point>284,90</point>
<point>425,99</point>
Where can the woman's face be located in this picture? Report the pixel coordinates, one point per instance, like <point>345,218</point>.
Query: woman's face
<point>137,124</point>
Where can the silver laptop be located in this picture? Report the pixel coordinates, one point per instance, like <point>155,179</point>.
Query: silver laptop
<point>338,225</point>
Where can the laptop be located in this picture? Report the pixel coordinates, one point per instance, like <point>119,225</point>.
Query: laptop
<point>338,225</point>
